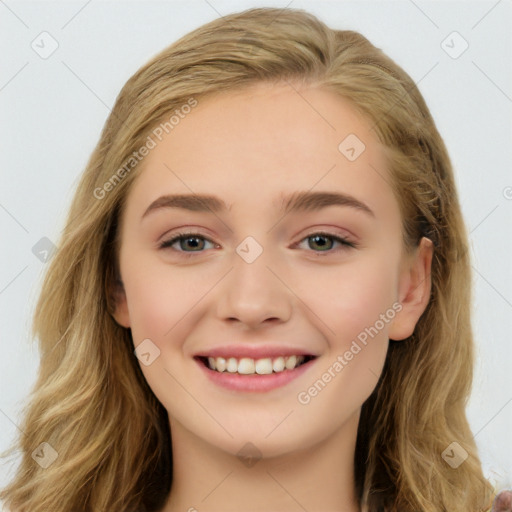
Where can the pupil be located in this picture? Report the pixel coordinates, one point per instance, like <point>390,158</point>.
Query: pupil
<point>192,238</point>
<point>319,237</point>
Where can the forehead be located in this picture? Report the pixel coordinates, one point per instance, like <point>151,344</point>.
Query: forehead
<point>266,140</point>
<point>274,119</point>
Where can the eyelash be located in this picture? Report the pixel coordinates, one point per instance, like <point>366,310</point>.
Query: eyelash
<point>345,244</point>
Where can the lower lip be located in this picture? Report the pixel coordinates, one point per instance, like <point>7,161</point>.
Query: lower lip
<point>254,383</point>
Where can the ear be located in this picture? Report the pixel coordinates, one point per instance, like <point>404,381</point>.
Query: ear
<point>119,304</point>
<point>414,290</point>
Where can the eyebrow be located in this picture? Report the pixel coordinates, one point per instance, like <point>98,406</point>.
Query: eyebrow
<point>302,201</point>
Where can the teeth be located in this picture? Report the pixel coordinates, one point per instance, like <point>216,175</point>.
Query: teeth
<point>278,364</point>
<point>263,366</point>
<point>248,366</point>
<point>291,362</point>
<point>220,363</point>
<point>232,366</point>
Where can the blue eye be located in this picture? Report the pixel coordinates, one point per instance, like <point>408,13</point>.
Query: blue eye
<point>196,242</point>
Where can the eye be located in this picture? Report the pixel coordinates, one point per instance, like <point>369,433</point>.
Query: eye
<point>196,242</point>
<point>319,239</point>
<point>187,240</point>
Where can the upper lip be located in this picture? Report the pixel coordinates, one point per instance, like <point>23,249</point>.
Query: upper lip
<point>253,352</point>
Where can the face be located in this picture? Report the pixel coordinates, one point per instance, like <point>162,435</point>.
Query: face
<point>327,280</point>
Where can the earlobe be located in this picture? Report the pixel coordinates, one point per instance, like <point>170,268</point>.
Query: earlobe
<point>414,291</point>
<point>119,309</point>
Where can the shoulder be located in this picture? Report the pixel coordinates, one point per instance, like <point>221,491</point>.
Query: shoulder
<point>503,502</point>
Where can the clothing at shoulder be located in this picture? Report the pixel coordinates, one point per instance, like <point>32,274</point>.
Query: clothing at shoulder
<point>503,502</point>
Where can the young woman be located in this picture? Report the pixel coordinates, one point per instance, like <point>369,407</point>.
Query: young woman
<point>261,299</point>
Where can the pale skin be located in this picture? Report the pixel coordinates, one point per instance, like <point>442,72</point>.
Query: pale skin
<point>250,149</point>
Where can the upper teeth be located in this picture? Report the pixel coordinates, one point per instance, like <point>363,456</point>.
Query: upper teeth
<point>246,365</point>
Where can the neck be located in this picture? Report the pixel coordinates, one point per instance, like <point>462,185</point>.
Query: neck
<point>319,478</point>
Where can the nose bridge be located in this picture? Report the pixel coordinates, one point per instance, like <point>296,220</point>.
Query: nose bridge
<point>252,293</point>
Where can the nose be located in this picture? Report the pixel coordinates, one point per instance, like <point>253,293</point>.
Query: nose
<point>254,294</point>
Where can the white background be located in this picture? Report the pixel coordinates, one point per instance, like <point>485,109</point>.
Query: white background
<point>53,110</point>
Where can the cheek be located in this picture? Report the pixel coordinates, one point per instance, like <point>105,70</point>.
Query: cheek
<point>357,313</point>
<point>350,298</point>
<point>354,305</point>
<point>149,312</point>
<point>158,294</point>
<point>158,307</point>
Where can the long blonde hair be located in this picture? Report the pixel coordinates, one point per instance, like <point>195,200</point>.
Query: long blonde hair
<point>91,402</point>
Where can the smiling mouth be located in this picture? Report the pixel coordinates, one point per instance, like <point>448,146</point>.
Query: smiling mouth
<point>249,366</point>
